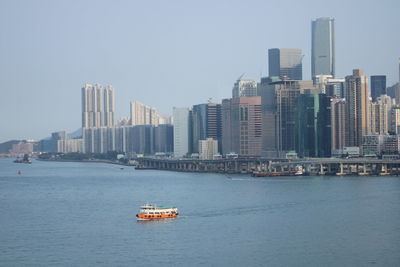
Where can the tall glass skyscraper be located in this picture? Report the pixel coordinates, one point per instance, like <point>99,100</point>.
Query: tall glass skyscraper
<point>285,62</point>
<point>313,125</point>
<point>378,86</point>
<point>323,47</point>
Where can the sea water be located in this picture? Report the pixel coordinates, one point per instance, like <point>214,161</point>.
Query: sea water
<point>83,214</point>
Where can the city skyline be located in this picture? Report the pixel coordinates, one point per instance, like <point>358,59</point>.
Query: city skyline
<point>47,58</point>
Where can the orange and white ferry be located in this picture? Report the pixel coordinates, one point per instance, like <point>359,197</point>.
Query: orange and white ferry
<point>149,212</point>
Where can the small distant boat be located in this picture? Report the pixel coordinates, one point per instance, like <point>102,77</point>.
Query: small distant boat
<point>299,170</point>
<point>151,212</point>
<point>25,159</point>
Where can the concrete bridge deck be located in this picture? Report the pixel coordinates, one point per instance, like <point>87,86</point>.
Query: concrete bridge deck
<point>315,166</point>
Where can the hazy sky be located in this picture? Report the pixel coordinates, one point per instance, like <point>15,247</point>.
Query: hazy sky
<point>167,53</point>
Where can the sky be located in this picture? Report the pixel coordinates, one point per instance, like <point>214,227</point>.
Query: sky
<point>167,53</point>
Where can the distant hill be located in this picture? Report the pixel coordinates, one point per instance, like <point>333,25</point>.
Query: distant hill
<point>6,146</point>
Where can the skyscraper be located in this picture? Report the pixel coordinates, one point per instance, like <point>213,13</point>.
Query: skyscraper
<point>378,86</point>
<point>206,123</point>
<point>280,108</point>
<point>92,106</point>
<point>242,126</point>
<point>338,123</point>
<point>142,114</point>
<point>181,131</point>
<point>98,106</point>
<point>357,115</point>
<point>323,47</point>
<point>313,126</point>
<point>379,115</point>
<point>285,62</point>
<point>244,88</point>
<point>109,106</point>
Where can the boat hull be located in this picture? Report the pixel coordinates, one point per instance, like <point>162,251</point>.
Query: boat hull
<point>155,216</point>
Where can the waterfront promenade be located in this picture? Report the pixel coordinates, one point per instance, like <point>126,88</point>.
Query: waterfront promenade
<point>314,166</point>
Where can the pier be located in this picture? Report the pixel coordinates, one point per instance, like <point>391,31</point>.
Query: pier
<point>312,166</point>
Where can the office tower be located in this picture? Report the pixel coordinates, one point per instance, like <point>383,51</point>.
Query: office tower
<point>164,138</point>
<point>285,62</point>
<point>356,107</point>
<point>379,114</point>
<point>268,107</point>
<point>109,106</point>
<point>92,106</point>
<point>181,131</point>
<point>206,123</point>
<point>143,142</point>
<point>394,92</point>
<point>281,107</point>
<point>242,126</point>
<point>320,81</point>
<point>208,148</point>
<point>378,86</point>
<point>313,125</point>
<point>335,87</point>
<point>323,47</point>
<point>329,86</point>
<point>244,88</point>
<point>338,124</point>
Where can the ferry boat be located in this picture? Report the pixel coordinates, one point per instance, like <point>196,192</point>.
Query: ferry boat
<point>151,212</point>
<point>299,170</point>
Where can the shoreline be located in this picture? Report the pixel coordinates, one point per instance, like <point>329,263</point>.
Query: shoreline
<point>87,161</point>
<point>248,171</point>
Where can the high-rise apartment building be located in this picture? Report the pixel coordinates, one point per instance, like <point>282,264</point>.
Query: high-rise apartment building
<point>109,106</point>
<point>92,105</point>
<point>181,131</point>
<point>98,106</point>
<point>142,114</point>
<point>323,47</point>
<point>242,126</point>
<point>244,88</point>
<point>378,86</point>
<point>285,62</point>
<point>379,114</point>
<point>357,115</point>
<point>395,119</point>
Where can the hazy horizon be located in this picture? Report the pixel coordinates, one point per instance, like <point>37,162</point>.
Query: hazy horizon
<point>167,54</point>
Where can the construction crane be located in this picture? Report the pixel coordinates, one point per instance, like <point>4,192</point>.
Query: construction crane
<point>241,76</point>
